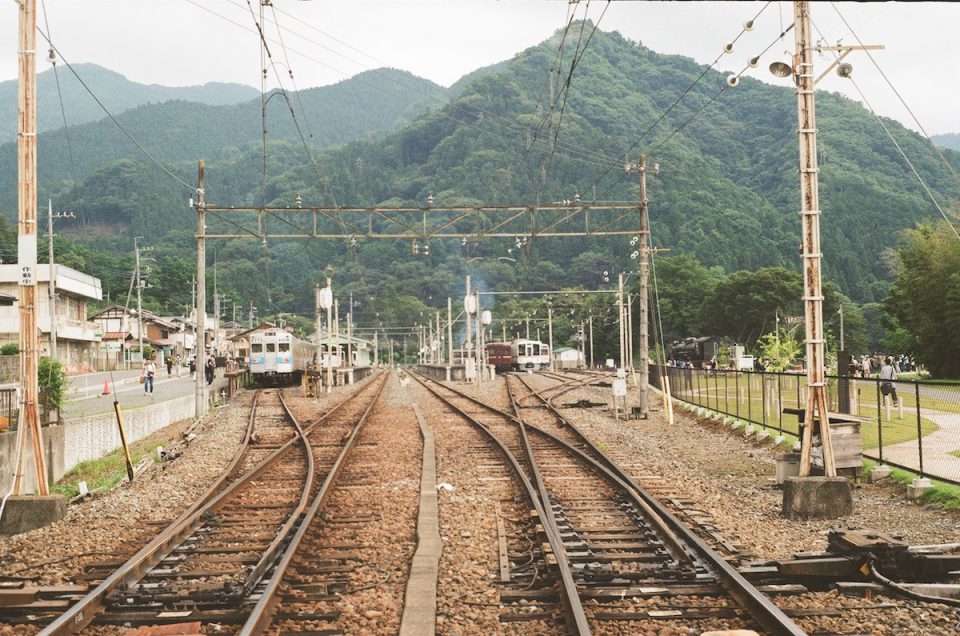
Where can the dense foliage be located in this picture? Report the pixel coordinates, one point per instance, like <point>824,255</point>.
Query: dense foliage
<point>925,302</point>
<point>724,202</point>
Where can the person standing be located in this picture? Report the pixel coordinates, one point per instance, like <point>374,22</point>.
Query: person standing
<point>169,362</point>
<point>211,368</point>
<point>193,367</point>
<point>177,362</point>
<point>149,370</point>
<point>888,375</point>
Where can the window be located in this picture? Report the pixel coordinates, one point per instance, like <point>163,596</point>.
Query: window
<point>283,347</point>
<point>256,347</point>
<point>271,347</point>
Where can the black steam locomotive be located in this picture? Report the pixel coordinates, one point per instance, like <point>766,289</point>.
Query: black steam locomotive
<point>696,351</point>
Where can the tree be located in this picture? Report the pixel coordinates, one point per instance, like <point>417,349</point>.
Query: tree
<point>779,348</point>
<point>682,284</point>
<point>925,300</point>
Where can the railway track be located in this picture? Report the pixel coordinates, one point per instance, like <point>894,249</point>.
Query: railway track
<point>221,562</point>
<point>621,561</point>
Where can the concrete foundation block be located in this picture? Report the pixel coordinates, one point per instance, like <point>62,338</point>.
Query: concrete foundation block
<point>736,425</point>
<point>817,497</point>
<point>28,512</point>
<point>749,431</point>
<point>919,486</point>
<point>778,439</point>
<point>763,436</point>
<point>877,473</point>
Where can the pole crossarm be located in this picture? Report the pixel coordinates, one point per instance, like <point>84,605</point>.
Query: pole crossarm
<point>475,222</point>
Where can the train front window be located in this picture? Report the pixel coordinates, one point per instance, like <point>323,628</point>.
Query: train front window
<point>283,347</point>
<point>271,347</point>
<point>256,347</point>
<point>544,350</point>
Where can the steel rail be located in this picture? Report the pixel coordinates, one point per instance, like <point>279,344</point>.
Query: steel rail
<point>81,613</point>
<point>759,605</point>
<point>575,614</point>
<point>262,614</point>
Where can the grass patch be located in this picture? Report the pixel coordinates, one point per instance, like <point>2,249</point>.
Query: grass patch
<point>105,472</point>
<point>947,496</point>
<point>955,453</point>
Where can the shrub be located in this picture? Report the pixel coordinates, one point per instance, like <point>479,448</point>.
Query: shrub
<point>53,381</point>
<point>10,349</point>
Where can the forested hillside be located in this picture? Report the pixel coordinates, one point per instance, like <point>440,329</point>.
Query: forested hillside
<point>116,92</point>
<point>185,131</point>
<point>727,194</point>
<point>947,140</point>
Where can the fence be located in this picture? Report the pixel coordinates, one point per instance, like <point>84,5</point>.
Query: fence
<point>10,408</point>
<point>919,432</point>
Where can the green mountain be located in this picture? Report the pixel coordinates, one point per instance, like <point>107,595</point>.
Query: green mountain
<point>180,131</point>
<point>947,140</point>
<point>116,92</point>
<point>727,193</point>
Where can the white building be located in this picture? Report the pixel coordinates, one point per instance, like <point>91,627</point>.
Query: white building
<point>77,338</point>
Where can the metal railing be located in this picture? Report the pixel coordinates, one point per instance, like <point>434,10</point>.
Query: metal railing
<point>909,424</point>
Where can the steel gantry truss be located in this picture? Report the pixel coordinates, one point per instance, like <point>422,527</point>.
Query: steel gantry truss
<point>527,221</point>
<point>565,219</point>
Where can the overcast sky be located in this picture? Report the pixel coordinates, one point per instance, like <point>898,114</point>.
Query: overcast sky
<point>186,42</point>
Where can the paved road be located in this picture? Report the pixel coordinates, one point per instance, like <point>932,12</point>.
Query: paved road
<point>937,447</point>
<point>129,392</point>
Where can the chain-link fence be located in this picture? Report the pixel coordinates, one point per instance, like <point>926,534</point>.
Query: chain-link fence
<point>905,423</point>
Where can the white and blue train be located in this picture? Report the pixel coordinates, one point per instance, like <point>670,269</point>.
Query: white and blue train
<point>278,357</point>
<point>529,354</point>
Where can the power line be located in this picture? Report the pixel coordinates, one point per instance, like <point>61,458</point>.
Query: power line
<point>899,96</point>
<point>892,139</point>
<point>114,119</point>
<point>686,91</point>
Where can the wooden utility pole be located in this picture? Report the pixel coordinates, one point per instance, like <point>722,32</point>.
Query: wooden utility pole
<point>591,341</point>
<point>319,354</point>
<point>200,319</point>
<point>467,301</point>
<point>810,215</point>
<point>27,249</point>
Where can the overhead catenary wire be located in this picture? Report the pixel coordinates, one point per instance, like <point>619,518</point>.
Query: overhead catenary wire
<point>677,101</point>
<point>899,148</point>
<point>936,149</point>
<point>579,153</point>
<point>113,118</point>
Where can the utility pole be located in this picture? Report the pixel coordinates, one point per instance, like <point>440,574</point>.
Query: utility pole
<point>376,348</point>
<point>200,346</point>
<point>449,337</point>
<point>328,305</point>
<point>136,249</point>
<point>467,301</point>
<point>350,335</point>
<point>550,336</point>
<point>53,276</point>
<point>319,353</point>
<point>27,248</point>
<point>591,341</point>
<point>810,215</point>
<point>641,168</point>
<point>620,320</point>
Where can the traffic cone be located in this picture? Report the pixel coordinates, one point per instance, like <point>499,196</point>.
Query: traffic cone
<point>106,388</point>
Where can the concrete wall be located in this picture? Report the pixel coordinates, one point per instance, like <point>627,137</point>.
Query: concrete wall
<point>9,369</point>
<point>439,372</point>
<point>92,437</point>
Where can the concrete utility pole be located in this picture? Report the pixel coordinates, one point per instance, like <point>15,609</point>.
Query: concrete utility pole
<point>27,248</point>
<point>550,335</point>
<point>810,215</point>
<point>449,337</point>
<point>328,303</point>
<point>317,314</point>
<point>136,249</point>
<point>591,341</point>
<point>200,344</point>
<point>644,380</point>
<point>468,353</point>
<point>620,321</point>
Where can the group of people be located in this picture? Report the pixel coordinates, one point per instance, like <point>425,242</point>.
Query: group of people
<point>865,365</point>
<point>174,361</point>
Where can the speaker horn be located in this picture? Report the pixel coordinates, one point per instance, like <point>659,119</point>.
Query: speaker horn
<point>733,80</point>
<point>845,70</point>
